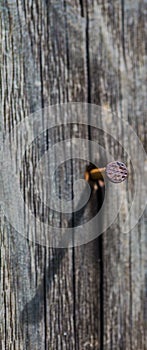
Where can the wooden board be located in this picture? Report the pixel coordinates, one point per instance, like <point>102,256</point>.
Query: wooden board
<point>92,296</point>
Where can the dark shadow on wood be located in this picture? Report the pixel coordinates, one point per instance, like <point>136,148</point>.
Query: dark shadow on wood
<point>33,311</point>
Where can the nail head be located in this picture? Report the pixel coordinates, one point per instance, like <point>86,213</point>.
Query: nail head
<point>116,171</point>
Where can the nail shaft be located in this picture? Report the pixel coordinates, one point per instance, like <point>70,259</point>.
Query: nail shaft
<point>95,174</point>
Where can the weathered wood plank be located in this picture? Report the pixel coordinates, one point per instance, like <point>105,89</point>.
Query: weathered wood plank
<point>91,296</point>
<point>38,291</point>
<point>45,51</point>
<point>117,58</point>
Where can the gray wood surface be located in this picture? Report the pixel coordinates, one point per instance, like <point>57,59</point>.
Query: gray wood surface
<point>92,296</point>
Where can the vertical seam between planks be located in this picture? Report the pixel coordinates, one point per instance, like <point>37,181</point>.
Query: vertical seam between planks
<point>45,304</point>
<point>101,286</point>
<point>130,282</point>
<point>81,7</point>
<point>123,31</point>
<point>41,73</point>
<point>88,70</point>
<point>73,249</point>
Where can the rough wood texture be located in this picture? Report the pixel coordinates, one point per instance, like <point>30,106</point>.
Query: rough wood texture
<point>92,296</point>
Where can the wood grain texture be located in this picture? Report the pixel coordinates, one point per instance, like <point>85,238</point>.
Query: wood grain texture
<point>92,296</point>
